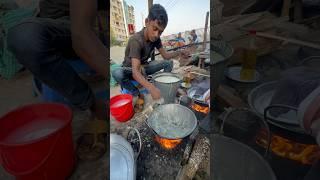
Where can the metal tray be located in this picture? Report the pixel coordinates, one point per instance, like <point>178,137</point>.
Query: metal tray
<point>122,157</point>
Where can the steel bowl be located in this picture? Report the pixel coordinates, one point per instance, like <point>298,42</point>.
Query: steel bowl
<point>183,124</point>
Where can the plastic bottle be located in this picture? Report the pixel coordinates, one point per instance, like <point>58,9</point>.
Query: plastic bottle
<point>249,59</point>
<point>188,79</point>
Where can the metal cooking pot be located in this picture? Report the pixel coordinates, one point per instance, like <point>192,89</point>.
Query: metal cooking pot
<point>259,100</point>
<point>168,90</point>
<point>235,160</point>
<point>195,98</point>
<point>122,158</point>
<point>182,125</point>
<point>232,111</point>
<point>246,163</point>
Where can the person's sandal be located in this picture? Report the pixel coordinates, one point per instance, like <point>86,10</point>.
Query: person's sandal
<point>92,145</point>
<point>138,107</point>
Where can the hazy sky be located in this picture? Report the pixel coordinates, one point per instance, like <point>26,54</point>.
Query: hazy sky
<point>182,14</point>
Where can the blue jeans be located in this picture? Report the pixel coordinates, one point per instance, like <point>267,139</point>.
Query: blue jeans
<point>43,46</point>
<point>123,75</point>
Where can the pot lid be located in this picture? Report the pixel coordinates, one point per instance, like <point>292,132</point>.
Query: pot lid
<point>122,165</point>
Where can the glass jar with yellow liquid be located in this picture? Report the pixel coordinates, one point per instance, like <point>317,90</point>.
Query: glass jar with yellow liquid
<point>187,79</point>
<point>249,59</point>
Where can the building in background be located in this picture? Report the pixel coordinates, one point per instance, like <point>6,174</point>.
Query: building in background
<point>117,20</point>
<point>121,18</point>
<point>130,19</point>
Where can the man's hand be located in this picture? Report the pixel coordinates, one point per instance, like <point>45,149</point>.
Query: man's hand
<point>175,54</point>
<point>136,73</point>
<point>155,93</point>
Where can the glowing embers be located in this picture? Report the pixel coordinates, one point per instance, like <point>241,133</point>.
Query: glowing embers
<point>168,143</point>
<point>306,154</point>
<point>200,108</point>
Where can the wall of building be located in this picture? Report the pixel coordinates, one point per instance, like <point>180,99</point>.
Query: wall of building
<point>121,14</point>
<point>129,12</point>
<point>117,22</point>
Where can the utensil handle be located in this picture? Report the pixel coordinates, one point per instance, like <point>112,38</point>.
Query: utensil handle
<point>150,78</point>
<point>179,99</point>
<point>265,117</point>
<point>231,111</point>
<point>139,137</point>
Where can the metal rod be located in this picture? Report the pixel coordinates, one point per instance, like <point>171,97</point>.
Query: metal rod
<point>200,74</point>
<point>176,48</point>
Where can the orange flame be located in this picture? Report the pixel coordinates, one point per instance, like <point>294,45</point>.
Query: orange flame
<point>168,143</point>
<point>306,154</point>
<point>201,109</point>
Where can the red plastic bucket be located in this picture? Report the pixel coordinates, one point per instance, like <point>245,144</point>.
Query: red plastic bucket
<point>36,142</point>
<point>121,107</point>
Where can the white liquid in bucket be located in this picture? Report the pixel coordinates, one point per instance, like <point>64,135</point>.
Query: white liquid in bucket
<point>33,130</point>
<point>167,79</point>
<point>120,103</point>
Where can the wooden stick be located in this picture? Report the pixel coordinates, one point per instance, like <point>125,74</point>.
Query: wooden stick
<point>150,3</point>
<point>200,74</point>
<point>205,31</point>
<point>290,40</point>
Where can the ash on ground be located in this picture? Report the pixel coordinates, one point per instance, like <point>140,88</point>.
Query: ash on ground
<point>155,162</point>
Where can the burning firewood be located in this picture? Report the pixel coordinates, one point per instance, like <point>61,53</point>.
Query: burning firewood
<point>199,153</point>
